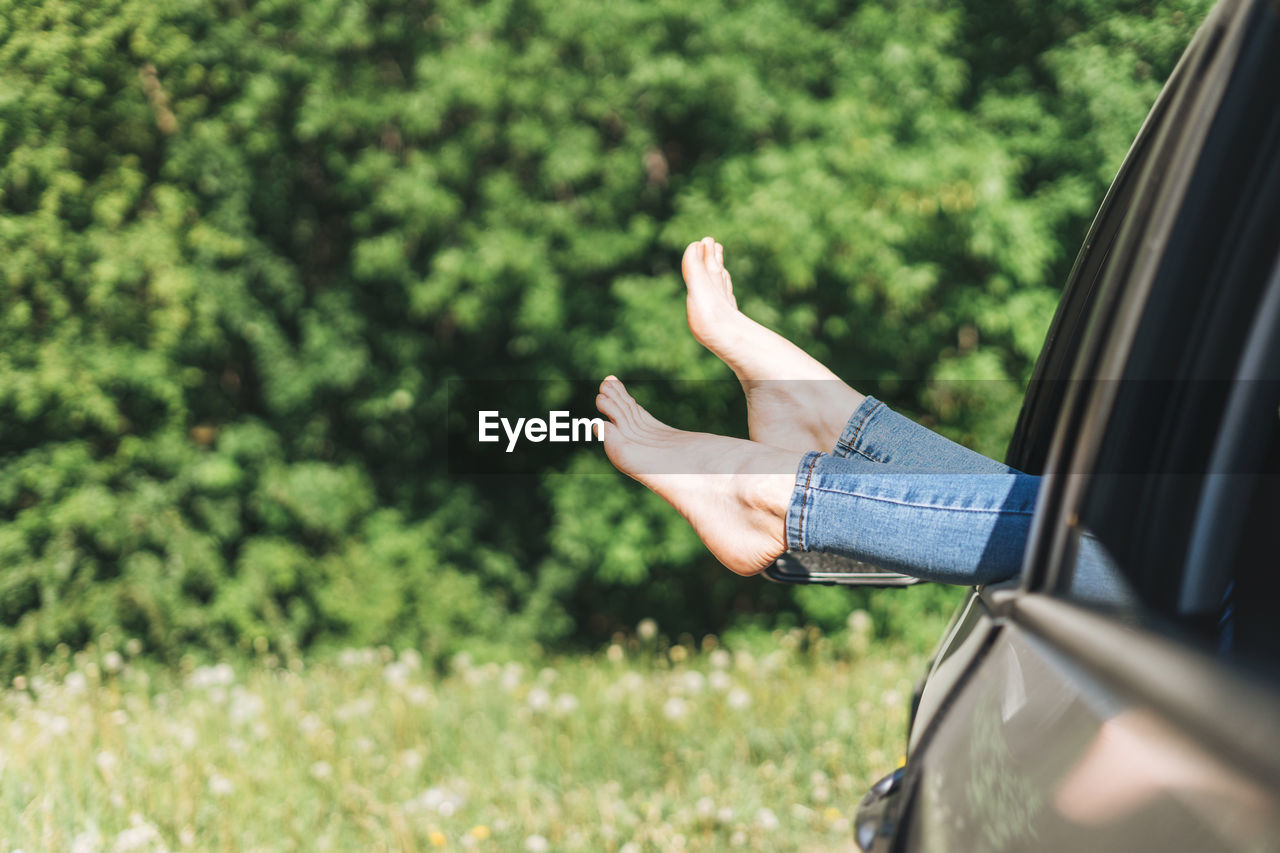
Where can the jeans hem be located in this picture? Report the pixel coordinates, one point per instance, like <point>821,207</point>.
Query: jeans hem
<point>856,429</point>
<point>800,500</point>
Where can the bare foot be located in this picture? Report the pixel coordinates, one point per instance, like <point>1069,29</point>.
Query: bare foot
<point>734,492</point>
<point>792,400</point>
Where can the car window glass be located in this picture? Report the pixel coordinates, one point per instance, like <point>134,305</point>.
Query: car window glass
<point>1152,433</point>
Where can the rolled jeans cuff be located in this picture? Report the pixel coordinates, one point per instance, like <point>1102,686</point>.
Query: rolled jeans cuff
<point>800,496</point>
<point>851,440</point>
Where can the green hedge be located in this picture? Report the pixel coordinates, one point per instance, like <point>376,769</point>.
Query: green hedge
<point>244,245</point>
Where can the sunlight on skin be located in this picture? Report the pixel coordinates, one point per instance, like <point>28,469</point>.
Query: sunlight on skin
<point>733,492</point>
<point>730,490</point>
<point>793,401</point>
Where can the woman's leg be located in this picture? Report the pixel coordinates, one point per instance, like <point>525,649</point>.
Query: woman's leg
<point>878,433</point>
<point>749,502</point>
<point>958,528</point>
<point>793,401</point>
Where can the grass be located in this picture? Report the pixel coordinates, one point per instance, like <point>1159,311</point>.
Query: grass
<point>640,747</point>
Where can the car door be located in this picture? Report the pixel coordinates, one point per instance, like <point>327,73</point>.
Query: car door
<point>1124,695</point>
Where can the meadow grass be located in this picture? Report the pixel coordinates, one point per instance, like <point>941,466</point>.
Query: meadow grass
<point>642,746</point>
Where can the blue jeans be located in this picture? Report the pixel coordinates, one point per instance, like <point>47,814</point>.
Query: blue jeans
<point>900,496</point>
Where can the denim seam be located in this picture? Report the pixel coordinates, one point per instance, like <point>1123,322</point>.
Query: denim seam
<point>917,505</point>
<point>853,440</point>
<point>805,500</point>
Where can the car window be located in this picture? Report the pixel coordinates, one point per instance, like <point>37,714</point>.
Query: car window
<point>1054,416</point>
<point>1246,629</point>
<point>1172,433</point>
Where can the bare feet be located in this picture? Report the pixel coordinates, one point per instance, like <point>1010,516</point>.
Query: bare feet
<point>734,492</point>
<point>792,400</point>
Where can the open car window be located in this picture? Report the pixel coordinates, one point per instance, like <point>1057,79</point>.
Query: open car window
<point>1169,472</point>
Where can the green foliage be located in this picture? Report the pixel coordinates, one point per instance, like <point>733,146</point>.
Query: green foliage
<point>244,245</point>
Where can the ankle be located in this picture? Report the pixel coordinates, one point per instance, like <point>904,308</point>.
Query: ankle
<point>765,486</point>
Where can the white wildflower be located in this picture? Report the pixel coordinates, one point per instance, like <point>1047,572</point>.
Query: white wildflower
<point>616,653</point>
<point>860,622</point>
<point>106,762</point>
<point>350,658</point>
<point>739,699</point>
<point>220,786</point>
<point>89,841</point>
<point>767,820</point>
<point>705,808</point>
<point>512,675</point>
<point>774,661</point>
<point>720,659</point>
<point>675,709</point>
<point>245,707</point>
<point>442,801</point>
<point>321,770</point>
<point>112,661</point>
<point>204,677</point>
<point>186,736</point>
<point>566,703</point>
<point>536,844</point>
<point>719,680</point>
<point>411,759</point>
<point>396,674</point>
<point>360,708</point>
<point>140,835</point>
<point>692,681</point>
<point>647,629</point>
<point>538,700</point>
<point>75,682</point>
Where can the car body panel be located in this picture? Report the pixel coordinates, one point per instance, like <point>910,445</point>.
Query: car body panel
<point>1036,752</point>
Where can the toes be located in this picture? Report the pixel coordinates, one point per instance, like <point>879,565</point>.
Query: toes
<point>615,402</point>
<point>720,254</point>
<point>709,254</point>
<point>626,412</point>
<point>608,406</point>
<point>692,260</point>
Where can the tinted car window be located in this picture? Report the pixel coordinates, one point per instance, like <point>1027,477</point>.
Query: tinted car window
<point>1181,300</point>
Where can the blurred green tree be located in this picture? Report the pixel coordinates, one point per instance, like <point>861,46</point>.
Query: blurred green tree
<point>244,245</point>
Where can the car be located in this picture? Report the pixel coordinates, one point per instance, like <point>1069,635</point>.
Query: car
<point>1057,717</point>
